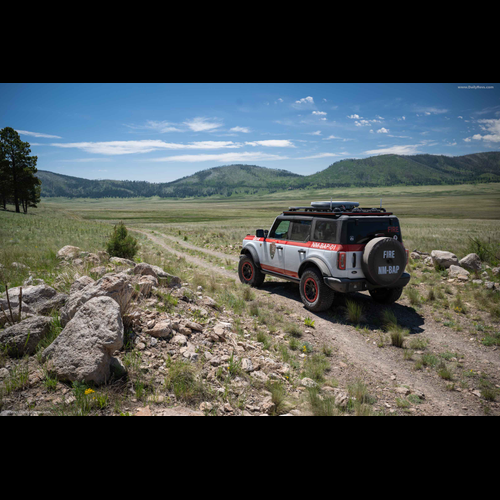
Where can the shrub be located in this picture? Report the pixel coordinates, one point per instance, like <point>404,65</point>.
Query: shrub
<point>121,244</point>
<point>354,311</point>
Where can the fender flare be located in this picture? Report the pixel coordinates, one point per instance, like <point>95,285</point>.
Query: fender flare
<point>249,250</point>
<point>314,261</point>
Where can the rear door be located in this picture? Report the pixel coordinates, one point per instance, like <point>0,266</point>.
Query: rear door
<point>297,247</point>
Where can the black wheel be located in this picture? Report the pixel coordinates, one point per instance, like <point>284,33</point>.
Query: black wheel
<point>386,295</point>
<point>315,295</point>
<point>249,273</point>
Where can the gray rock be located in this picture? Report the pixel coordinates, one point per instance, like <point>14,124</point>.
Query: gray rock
<point>83,350</point>
<point>489,285</point>
<point>24,337</point>
<point>307,382</point>
<point>122,262</point>
<point>80,284</point>
<point>471,261</point>
<point>117,287</point>
<point>444,259</point>
<point>68,252</point>
<point>456,271</point>
<point>145,270</point>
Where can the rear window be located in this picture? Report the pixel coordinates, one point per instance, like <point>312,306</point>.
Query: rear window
<point>361,231</point>
<point>325,231</point>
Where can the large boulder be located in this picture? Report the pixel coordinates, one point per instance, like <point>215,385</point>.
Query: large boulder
<point>83,350</point>
<point>444,259</point>
<point>116,286</point>
<point>69,252</point>
<point>80,284</point>
<point>457,271</point>
<point>471,261</point>
<point>24,337</point>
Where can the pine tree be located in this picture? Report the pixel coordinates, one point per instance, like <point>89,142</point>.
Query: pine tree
<point>19,184</point>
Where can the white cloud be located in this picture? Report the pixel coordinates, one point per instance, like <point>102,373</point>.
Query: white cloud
<point>201,124</point>
<point>319,113</point>
<point>382,131</point>
<point>365,123</point>
<point>429,110</point>
<point>146,146</point>
<point>222,158</point>
<point>395,150</point>
<point>273,143</point>
<point>305,100</point>
<point>320,155</point>
<point>492,127</point>
<point>244,130</point>
<point>354,117</point>
<point>160,126</point>
<point>331,137</point>
<point>317,132</point>
<point>38,134</point>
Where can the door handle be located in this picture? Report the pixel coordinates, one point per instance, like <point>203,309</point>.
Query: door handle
<point>279,248</point>
<point>302,251</point>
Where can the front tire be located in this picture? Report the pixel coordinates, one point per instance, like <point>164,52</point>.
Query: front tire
<point>315,295</point>
<point>386,295</point>
<point>249,273</point>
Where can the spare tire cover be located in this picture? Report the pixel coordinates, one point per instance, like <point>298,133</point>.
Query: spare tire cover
<point>384,261</point>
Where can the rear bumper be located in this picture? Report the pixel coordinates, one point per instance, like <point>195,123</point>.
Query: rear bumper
<point>344,285</point>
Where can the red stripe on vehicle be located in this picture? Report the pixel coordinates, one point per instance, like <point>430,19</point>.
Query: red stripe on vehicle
<point>279,271</point>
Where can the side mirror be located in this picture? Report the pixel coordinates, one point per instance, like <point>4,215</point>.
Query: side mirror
<point>261,233</point>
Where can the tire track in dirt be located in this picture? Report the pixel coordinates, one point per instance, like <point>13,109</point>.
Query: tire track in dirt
<point>352,352</point>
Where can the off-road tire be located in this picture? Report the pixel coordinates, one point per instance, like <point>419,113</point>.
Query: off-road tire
<point>386,295</point>
<point>249,273</point>
<point>315,295</point>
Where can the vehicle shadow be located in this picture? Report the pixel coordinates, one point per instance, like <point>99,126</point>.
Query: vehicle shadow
<point>371,317</point>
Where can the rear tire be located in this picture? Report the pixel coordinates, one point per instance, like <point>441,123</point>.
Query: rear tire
<point>386,295</point>
<point>315,295</point>
<point>249,273</point>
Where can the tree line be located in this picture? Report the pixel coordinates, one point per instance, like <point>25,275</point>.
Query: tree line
<point>19,185</point>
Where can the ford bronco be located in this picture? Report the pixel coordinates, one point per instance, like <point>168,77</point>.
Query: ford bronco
<point>329,247</point>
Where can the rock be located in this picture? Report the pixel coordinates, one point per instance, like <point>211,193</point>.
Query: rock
<point>179,340</point>
<point>457,271</point>
<point>489,285</point>
<point>146,284</point>
<point>41,299</point>
<point>403,391</point>
<point>179,412</point>
<point>444,259</point>
<point>161,329</point>
<point>19,265</point>
<point>92,258</point>
<point>80,284</point>
<point>477,282</point>
<point>117,287</point>
<point>24,337</point>
<point>166,278</point>
<point>144,269</point>
<point>428,261</point>
<point>83,350</point>
<point>307,382</point>
<point>122,262</point>
<point>247,365</point>
<point>99,271</point>
<point>68,252</point>
<point>117,368</point>
<point>471,261</point>
<point>415,256</point>
<point>496,271</point>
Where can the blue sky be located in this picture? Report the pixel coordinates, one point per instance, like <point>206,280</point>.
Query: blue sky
<point>161,132</point>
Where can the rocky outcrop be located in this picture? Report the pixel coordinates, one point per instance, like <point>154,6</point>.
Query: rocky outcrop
<point>69,252</point>
<point>83,350</point>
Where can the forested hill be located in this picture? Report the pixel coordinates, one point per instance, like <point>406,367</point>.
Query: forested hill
<point>384,170</point>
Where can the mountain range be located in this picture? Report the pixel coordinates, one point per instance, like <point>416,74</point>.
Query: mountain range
<point>383,170</point>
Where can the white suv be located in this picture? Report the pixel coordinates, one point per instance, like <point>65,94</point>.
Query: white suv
<point>330,247</point>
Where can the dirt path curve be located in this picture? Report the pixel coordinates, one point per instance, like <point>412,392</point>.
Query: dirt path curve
<point>354,355</point>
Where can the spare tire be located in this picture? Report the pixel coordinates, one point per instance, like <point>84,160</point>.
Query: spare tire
<point>384,261</point>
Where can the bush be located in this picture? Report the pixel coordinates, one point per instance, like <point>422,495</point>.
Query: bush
<point>121,244</point>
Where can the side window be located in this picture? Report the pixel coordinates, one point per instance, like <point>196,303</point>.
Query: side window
<point>325,231</point>
<point>280,230</point>
<point>300,230</point>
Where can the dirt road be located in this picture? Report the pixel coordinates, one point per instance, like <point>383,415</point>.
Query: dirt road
<point>356,351</point>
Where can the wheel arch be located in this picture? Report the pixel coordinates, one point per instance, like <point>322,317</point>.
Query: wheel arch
<point>251,252</point>
<point>316,263</point>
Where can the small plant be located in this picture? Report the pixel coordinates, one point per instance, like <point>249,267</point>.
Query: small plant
<point>121,244</point>
<point>293,330</point>
<point>309,322</point>
<point>444,372</point>
<point>354,311</point>
<point>413,296</point>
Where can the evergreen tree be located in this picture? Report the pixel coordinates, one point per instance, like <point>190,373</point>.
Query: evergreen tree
<point>22,186</point>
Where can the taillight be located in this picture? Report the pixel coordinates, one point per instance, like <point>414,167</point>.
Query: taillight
<point>341,260</point>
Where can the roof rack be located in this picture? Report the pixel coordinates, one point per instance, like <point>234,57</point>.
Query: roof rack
<point>337,211</point>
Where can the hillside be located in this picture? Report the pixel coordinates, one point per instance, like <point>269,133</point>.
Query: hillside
<point>384,170</point>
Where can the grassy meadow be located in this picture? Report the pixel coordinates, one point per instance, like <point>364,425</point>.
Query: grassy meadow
<point>432,217</point>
